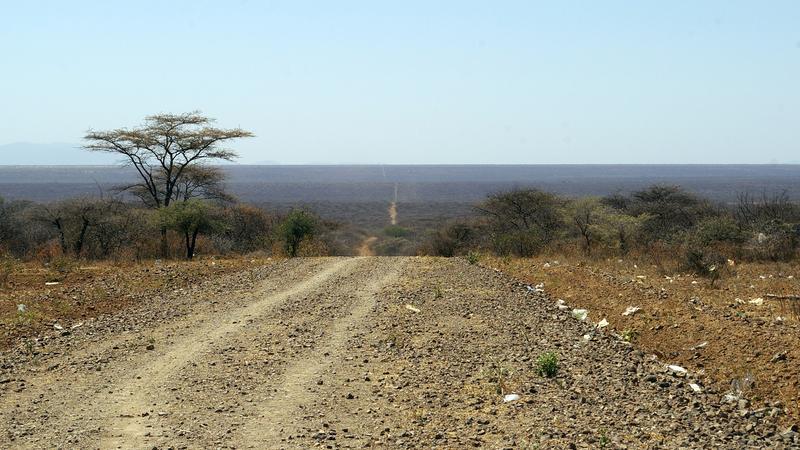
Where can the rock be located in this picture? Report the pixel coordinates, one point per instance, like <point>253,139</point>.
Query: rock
<point>511,398</point>
<point>150,347</point>
<point>631,310</point>
<point>677,370</point>
<point>580,314</point>
<point>781,356</point>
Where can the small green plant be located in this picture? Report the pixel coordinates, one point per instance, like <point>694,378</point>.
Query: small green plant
<point>629,335</point>
<point>24,315</point>
<point>498,376</point>
<point>29,346</point>
<point>604,439</point>
<point>547,364</point>
<point>437,292</point>
<point>473,257</point>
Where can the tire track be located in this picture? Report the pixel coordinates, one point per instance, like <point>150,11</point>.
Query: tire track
<point>127,427</point>
<point>292,393</point>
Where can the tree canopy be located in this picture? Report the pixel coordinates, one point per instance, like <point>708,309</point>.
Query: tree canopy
<point>166,152</point>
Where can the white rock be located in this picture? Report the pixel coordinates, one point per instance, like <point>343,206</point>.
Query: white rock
<point>756,301</point>
<point>602,324</point>
<point>696,387</point>
<point>580,314</point>
<point>21,308</point>
<point>631,310</point>
<point>730,398</point>
<point>561,305</point>
<point>58,327</point>
<point>51,283</point>
<point>511,398</point>
<point>546,265</point>
<point>412,308</point>
<point>677,369</point>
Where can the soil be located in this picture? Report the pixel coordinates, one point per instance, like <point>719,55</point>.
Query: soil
<point>722,332</point>
<point>362,352</point>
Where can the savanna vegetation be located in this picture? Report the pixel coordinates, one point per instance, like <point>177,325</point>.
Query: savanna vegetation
<point>661,222</point>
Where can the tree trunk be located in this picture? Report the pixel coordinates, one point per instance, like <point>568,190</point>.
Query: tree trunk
<point>81,237</point>
<point>188,244</point>
<point>190,248</point>
<point>164,243</point>
<point>61,238</point>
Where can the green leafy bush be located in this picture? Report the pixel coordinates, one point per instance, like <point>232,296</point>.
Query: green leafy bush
<point>547,364</point>
<point>298,226</point>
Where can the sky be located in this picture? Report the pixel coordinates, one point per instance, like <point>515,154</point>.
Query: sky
<point>415,82</point>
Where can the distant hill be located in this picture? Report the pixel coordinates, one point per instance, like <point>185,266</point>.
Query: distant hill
<point>56,154</point>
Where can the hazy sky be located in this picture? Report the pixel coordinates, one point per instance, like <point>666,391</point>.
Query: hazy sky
<point>418,81</point>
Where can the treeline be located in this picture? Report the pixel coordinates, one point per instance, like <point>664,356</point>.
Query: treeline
<point>660,221</point>
<point>118,230</point>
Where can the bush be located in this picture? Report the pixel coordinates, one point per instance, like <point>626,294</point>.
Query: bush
<point>522,221</point>
<point>248,229</point>
<point>394,247</point>
<point>547,364</point>
<point>191,218</point>
<point>773,241</point>
<point>706,244</point>
<point>396,231</point>
<point>298,226</point>
<point>668,211</point>
<point>453,239</point>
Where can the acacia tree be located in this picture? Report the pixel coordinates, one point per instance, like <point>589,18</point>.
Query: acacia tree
<point>164,151</point>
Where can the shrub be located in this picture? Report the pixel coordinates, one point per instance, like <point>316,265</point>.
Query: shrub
<point>473,257</point>
<point>547,364</point>
<point>718,230</point>
<point>297,227</point>
<point>669,210</point>
<point>773,241</point>
<point>191,218</point>
<point>396,231</point>
<point>248,229</point>
<point>453,239</point>
<point>522,221</point>
<point>394,247</point>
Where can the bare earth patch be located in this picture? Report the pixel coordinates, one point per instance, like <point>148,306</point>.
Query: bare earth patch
<point>724,333</point>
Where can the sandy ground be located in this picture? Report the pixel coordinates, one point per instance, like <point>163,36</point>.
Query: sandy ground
<point>362,352</point>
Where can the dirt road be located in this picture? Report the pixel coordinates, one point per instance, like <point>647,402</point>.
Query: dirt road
<point>359,352</point>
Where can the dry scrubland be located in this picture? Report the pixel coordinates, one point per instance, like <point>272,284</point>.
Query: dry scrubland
<point>730,334</point>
